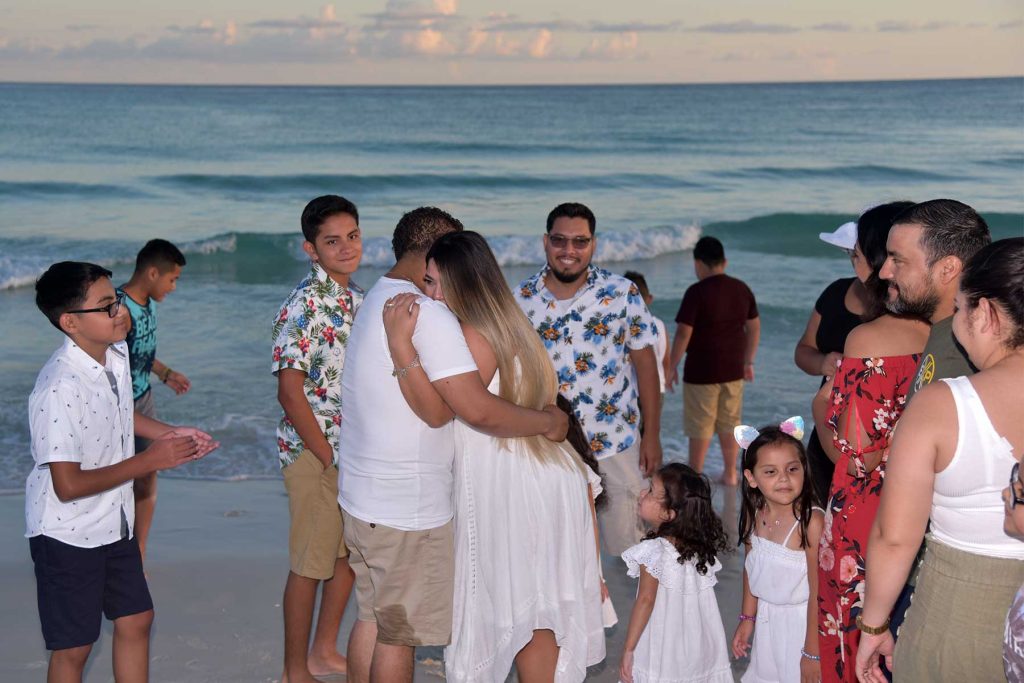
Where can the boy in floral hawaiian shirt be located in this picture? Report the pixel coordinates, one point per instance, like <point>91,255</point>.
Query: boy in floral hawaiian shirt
<point>597,330</point>
<point>310,334</point>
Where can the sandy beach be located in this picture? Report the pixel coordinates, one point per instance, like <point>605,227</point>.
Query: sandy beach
<point>216,569</point>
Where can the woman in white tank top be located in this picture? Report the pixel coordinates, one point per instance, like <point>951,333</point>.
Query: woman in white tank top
<point>951,458</point>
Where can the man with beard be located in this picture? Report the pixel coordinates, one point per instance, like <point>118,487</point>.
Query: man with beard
<point>594,325</point>
<point>928,245</point>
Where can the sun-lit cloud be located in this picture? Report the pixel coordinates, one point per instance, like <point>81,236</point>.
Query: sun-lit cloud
<point>621,46</point>
<point>540,46</point>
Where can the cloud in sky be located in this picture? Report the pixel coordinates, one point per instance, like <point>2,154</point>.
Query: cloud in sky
<point>912,27</point>
<point>835,26</point>
<point>746,26</point>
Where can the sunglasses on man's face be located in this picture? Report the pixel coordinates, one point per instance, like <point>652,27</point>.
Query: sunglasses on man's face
<point>1016,487</point>
<point>559,241</point>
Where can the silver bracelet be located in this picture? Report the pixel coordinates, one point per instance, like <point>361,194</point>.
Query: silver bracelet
<point>402,372</point>
<point>807,655</point>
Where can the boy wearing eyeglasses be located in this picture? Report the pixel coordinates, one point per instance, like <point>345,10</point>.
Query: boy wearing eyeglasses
<point>79,503</point>
<point>157,269</point>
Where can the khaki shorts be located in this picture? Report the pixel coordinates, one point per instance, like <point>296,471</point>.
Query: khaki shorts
<point>710,409</point>
<point>621,526</point>
<point>405,580</point>
<point>315,540</point>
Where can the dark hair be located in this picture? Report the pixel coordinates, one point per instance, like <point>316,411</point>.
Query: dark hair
<point>872,233</point>
<point>753,500</point>
<point>996,273</point>
<point>709,251</point>
<point>322,208</point>
<point>160,254</point>
<point>577,438</point>
<point>695,530</point>
<point>639,280</point>
<point>951,228</point>
<point>64,286</point>
<point>417,230</point>
<point>572,210</point>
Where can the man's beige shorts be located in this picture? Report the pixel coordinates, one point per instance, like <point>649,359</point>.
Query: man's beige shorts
<point>315,540</point>
<point>405,580</point>
<point>710,409</point>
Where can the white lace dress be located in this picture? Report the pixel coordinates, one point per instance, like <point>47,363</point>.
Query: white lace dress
<point>524,560</point>
<point>684,641</point>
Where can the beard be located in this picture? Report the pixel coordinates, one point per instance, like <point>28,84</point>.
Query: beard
<point>922,306</point>
<point>566,275</point>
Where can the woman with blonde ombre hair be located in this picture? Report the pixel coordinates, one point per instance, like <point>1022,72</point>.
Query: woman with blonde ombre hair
<point>526,568</point>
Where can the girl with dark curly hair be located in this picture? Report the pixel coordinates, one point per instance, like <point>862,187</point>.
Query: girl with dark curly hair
<point>675,630</point>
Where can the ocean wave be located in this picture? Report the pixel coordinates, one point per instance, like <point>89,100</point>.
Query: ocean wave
<point>22,261</point>
<point>36,189</point>
<point>858,173</point>
<point>290,184</point>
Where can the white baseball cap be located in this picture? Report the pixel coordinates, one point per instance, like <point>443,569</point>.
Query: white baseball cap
<point>844,237</point>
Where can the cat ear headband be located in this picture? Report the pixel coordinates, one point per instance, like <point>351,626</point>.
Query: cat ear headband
<point>745,434</point>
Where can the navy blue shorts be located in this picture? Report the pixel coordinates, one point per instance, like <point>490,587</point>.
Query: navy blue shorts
<point>77,586</point>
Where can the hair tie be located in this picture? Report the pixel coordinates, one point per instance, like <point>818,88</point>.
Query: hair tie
<point>745,434</point>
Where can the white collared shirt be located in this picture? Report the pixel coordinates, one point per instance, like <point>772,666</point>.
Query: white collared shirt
<point>75,417</point>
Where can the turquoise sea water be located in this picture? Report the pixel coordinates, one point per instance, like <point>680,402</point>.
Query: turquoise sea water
<point>92,172</point>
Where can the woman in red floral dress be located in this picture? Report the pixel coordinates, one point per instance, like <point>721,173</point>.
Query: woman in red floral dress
<point>860,408</point>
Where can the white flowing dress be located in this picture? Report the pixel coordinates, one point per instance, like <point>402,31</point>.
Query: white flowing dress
<point>524,560</point>
<point>684,641</point>
<point>777,576</point>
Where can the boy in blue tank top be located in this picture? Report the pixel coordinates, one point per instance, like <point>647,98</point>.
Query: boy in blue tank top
<point>157,269</point>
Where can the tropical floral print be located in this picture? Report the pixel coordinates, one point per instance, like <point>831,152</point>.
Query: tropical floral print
<point>877,387</point>
<point>589,344</point>
<point>310,334</point>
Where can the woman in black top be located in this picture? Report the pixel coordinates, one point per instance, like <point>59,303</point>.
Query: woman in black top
<point>837,311</point>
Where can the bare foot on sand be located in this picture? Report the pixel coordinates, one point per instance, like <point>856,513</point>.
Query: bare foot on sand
<point>726,480</point>
<point>330,665</point>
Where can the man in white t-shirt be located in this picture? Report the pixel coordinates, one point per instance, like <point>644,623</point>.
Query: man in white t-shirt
<point>396,471</point>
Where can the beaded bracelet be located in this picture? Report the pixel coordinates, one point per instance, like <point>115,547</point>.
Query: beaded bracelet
<point>807,655</point>
<point>402,372</point>
<point>167,374</point>
<point>747,617</point>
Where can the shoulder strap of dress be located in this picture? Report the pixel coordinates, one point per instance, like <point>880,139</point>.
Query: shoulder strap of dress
<point>785,541</point>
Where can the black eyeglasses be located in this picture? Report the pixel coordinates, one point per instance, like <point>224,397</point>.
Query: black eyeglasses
<point>559,241</point>
<point>110,309</point>
<point>1016,485</point>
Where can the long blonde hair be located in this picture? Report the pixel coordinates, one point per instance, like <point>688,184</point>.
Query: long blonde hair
<point>476,292</point>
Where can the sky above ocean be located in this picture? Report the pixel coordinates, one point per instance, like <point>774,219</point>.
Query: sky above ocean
<point>505,41</point>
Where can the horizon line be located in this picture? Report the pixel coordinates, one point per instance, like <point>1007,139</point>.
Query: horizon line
<point>507,85</point>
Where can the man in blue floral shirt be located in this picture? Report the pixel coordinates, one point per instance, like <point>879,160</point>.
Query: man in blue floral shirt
<point>595,325</point>
<point>310,334</point>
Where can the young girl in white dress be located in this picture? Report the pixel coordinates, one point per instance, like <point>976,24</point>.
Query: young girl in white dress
<point>780,528</point>
<point>675,632</point>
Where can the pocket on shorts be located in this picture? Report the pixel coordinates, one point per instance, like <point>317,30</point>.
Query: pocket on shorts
<point>306,465</point>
